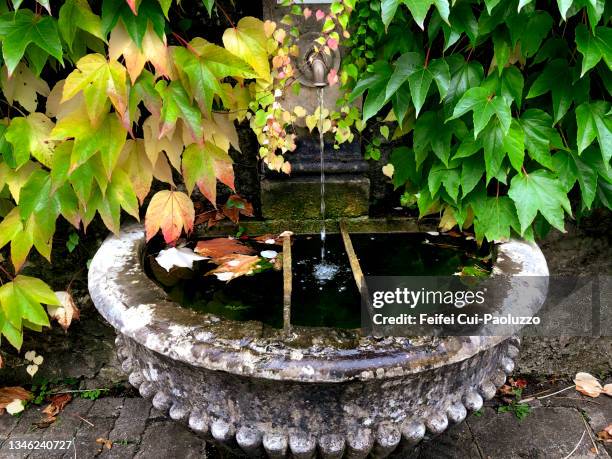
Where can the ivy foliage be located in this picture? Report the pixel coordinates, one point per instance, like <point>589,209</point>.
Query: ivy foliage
<point>501,109</point>
<point>101,100</point>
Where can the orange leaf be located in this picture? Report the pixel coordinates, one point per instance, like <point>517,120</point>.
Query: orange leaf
<point>105,442</point>
<point>170,211</point>
<point>220,247</point>
<point>58,403</point>
<point>235,265</point>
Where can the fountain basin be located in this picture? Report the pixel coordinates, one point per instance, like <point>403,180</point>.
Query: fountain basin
<point>313,392</point>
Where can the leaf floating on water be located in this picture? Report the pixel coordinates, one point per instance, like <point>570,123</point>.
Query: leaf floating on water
<point>178,258</point>
<point>237,265</point>
<point>588,385</point>
<point>269,253</point>
<point>220,247</point>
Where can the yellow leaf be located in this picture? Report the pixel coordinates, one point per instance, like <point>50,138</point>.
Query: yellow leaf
<point>248,41</point>
<point>172,143</point>
<point>388,170</point>
<point>154,50</point>
<point>23,87</point>
<point>98,80</point>
<point>134,161</point>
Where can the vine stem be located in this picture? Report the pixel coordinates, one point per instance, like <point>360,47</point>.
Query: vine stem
<point>10,276</point>
<point>427,57</point>
<point>185,43</point>
<point>226,15</point>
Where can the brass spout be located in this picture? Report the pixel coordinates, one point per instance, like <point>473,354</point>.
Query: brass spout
<point>319,71</point>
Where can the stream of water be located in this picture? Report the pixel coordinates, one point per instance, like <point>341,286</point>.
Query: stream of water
<point>322,152</point>
<point>324,270</point>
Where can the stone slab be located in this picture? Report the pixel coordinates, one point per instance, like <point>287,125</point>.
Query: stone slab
<point>545,433</point>
<point>169,439</point>
<point>300,198</point>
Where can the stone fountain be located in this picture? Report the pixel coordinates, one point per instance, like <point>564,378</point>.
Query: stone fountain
<point>302,392</point>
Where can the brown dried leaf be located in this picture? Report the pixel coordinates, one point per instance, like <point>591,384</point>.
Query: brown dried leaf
<point>233,266</point>
<point>606,434</point>
<point>65,313</point>
<point>8,394</point>
<point>211,218</point>
<point>58,403</point>
<point>587,384</point>
<point>105,442</point>
<point>221,247</point>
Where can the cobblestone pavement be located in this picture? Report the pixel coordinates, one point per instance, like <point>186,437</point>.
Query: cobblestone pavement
<point>555,427</point>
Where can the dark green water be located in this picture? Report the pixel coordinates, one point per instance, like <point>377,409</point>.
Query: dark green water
<point>318,302</point>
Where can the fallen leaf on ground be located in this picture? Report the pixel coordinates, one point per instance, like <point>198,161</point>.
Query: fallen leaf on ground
<point>519,383</point>
<point>180,258</point>
<point>607,389</point>
<point>32,370</point>
<point>65,313</point>
<point>8,396</point>
<point>16,406</point>
<point>506,390</point>
<point>58,403</point>
<point>606,434</point>
<point>233,266</point>
<point>587,384</point>
<point>221,247</point>
<point>105,442</point>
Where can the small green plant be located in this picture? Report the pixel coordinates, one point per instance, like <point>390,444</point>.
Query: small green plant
<point>93,394</point>
<point>72,242</point>
<point>520,410</point>
<point>478,413</point>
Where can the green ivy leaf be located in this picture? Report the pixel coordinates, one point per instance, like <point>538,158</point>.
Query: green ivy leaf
<point>119,195</point>
<point>21,300</point>
<point>539,191</point>
<point>561,88</point>
<point>209,4</point>
<point>514,145</point>
<point>594,121</point>
<point>77,14</point>
<point>177,104</point>
<point>30,135</point>
<point>431,133</point>
<point>464,75</point>
<point>405,169</point>
<point>484,105</point>
<point>23,28</point>
<point>594,46</point>
<point>471,173</point>
<point>538,135</point>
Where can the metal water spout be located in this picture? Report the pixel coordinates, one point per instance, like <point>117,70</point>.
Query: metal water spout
<point>319,71</point>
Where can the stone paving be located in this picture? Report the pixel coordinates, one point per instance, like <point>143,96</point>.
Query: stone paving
<point>555,427</point>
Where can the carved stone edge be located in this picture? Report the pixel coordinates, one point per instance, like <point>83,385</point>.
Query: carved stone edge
<point>377,442</point>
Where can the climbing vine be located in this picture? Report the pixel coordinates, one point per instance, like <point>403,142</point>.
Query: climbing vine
<point>498,112</point>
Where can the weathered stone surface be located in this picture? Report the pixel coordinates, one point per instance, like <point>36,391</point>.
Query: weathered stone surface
<point>169,439</point>
<point>544,433</point>
<point>300,197</point>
